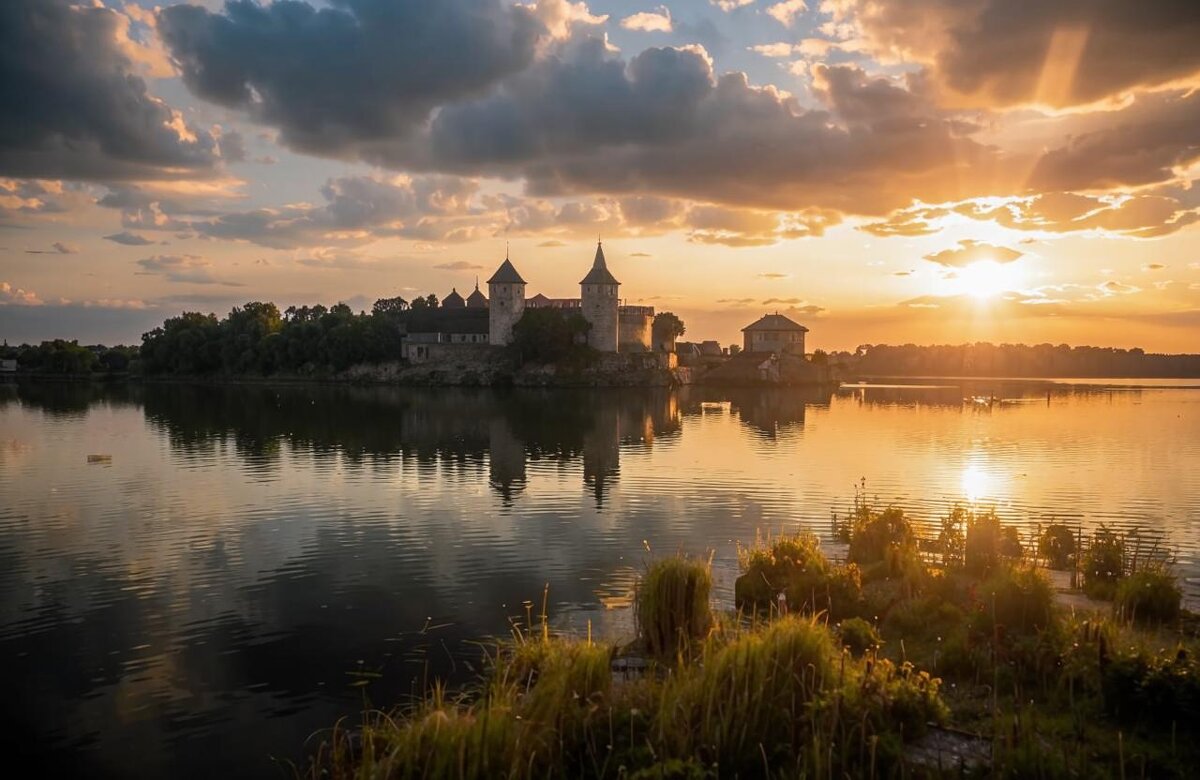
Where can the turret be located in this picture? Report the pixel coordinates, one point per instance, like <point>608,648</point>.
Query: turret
<point>598,291</point>
<point>506,291</point>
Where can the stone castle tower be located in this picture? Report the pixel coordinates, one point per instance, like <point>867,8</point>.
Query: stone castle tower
<point>600,304</point>
<point>506,291</point>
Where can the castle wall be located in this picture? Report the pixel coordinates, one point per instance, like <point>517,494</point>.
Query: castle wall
<point>506,304</point>
<point>634,328</point>
<point>600,309</point>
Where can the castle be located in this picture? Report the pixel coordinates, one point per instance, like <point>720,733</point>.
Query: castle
<point>480,319</point>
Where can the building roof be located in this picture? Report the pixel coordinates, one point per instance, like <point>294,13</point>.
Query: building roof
<point>506,274</point>
<point>443,320</point>
<point>775,322</point>
<point>477,300</point>
<point>599,273</point>
<point>453,300</point>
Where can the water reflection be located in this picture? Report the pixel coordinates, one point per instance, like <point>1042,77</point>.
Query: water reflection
<point>254,561</point>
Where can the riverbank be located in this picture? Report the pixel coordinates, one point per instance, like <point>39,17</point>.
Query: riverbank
<point>888,665</point>
<point>484,367</point>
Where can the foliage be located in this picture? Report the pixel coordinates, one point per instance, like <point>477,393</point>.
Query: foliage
<point>858,635</point>
<point>1057,546</point>
<point>793,565</point>
<point>1018,600</point>
<point>1103,564</point>
<point>257,339</point>
<point>668,325</point>
<point>883,540</point>
<point>57,357</point>
<point>988,542</point>
<point>1149,596</point>
<point>547,335</point>
<point>672,605</point>
<point>1008,360</point>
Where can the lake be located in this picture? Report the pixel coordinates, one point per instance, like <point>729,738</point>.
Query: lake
<point>239,566</point>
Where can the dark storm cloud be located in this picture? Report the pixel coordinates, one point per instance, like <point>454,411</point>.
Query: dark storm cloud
<point>71,105</point>
<point>1141,144</point>
<point>1065,52</point>
<point>339,79</point>
<point>583,120</point>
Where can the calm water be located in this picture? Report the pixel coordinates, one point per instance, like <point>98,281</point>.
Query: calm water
<point>255,562</point>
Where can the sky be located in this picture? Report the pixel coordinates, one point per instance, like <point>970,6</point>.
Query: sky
<point>883,171</point>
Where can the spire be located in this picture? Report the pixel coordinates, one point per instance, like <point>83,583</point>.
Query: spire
<point>599,273</point>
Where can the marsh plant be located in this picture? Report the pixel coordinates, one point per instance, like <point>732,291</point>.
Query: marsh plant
<point>785,689</point>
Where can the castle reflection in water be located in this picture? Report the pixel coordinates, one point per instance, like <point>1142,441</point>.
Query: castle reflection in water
<point>460,432</point>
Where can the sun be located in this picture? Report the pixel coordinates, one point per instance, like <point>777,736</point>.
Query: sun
<point>986,279</point>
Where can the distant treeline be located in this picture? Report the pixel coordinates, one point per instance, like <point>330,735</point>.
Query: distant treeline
<point>1014,360</point>
<point>258,339</point>
<point>69,357</point>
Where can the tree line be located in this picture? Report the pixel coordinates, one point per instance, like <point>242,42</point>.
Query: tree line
<point>1014,360</point>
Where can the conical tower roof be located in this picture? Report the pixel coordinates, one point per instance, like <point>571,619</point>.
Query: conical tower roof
<point>506,274</point>
<point>599,273</point>
<point>476,300</point>
<point>453,300</point>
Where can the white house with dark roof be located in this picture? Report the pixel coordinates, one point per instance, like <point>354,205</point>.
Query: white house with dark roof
<point>774,333</point>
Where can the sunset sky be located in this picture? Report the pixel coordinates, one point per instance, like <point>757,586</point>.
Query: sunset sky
<point>883,171</point>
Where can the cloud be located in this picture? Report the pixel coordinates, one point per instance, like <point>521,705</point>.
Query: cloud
<point>649,21</point>
<point>641,254</point>
<point>1148,141</point>
<point>15,296</point>
<point>968,252</point>
<point>459,265</point>
<point>786,12</point>
<point>73,106</point>
<point>773,276</point>
<point>784,301</point>
<point>1150,214</point>
<point>376,68</point>
<point>1153,267</point>
<point>336,258</point>
<point>902,273</point>
<point>57,248</point>
<point>1113,287</point>
<point>357,210</point>
<point>1010,52</point>
<point>128,239</point>
<point>554,242</point>
<point>730,5</point>
<point>190,269</point>
<point>736,301</point>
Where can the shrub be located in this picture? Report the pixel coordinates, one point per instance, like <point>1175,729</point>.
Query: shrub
<point>858,635</point>
<point>875,536</point>
<point>1019,600</point>
<point>672,604</point>
<point>1150,596</point>
<point>1103,564</point>
<point>988,542</point>
<point>795,566</point>
<point>1161,689</point>
<point>1057,546</point>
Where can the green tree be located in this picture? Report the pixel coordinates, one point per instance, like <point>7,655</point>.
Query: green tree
<point>546,335</point>
<point>666,324</point>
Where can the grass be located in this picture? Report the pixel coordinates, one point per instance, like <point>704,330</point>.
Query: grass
<point>781,689</point>
<point>672,605</point>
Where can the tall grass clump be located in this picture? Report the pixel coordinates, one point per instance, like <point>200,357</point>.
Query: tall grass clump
<point>784,701</point>
<point>1149,596</point>
<point>672,609</point>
